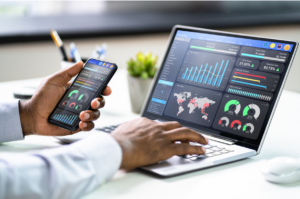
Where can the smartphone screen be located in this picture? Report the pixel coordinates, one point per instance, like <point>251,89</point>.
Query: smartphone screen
<point>87,85</point>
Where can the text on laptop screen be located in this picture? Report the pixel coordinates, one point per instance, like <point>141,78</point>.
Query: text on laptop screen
<point>220,82</point>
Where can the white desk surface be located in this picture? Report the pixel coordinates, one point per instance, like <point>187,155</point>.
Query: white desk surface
<point>241,179</point>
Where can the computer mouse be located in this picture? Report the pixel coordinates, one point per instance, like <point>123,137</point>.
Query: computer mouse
<point>282,170</point>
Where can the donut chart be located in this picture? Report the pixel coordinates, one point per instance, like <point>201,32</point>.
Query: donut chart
<point>253,110</point>
<point>248,128</point>
<point>74,94</point>
<point>224,121</point>
<point>236,124</point>
<point>233,105</point>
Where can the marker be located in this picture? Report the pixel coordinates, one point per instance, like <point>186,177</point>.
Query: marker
<point>75,52</point>
<point>59,44</point>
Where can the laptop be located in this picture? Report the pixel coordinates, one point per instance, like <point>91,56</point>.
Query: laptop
<point>223,85</point>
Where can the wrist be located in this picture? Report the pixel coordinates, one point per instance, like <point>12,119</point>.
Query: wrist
<point>26,118</point>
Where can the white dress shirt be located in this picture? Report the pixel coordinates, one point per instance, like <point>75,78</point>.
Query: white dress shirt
<point>65,172</point>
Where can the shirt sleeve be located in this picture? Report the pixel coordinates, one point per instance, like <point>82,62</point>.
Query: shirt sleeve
<point>10,124</point>
<point>65,172</point>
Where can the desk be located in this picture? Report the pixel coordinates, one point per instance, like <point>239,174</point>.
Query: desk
<point>241,179</point>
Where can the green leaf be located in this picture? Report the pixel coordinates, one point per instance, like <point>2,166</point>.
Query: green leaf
<point>144,75</point>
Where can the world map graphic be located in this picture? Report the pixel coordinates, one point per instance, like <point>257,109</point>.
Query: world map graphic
<point>195,103</point>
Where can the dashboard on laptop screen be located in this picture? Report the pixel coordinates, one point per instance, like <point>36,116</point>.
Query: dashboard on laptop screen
<point>220,84</point>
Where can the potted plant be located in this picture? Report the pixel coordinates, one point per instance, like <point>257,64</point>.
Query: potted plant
<point>140,74</point>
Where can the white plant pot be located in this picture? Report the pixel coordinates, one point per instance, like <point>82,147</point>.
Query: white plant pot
<point>138,89</point>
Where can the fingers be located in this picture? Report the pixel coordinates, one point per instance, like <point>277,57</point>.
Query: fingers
<point>186,134</point>
<point>86,126</point>
<point>184,148</point>
<point>170,125</point>
<point>98,103</point>
<point>64,76</point>
<point>107,91</point>
<point>89,115</point>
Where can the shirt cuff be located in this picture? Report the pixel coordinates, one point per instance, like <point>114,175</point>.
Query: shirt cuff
<point>10,124</point>
<point>104,151</point>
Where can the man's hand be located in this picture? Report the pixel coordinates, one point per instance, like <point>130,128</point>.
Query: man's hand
<point>35,112</point>
<point>145,142</point>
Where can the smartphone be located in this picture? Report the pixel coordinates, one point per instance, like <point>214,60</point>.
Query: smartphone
<point>89,84</point>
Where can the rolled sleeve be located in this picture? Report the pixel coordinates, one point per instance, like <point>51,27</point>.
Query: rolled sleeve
<point>10,124</point>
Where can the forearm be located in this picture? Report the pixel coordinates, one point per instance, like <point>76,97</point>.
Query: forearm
<point>64,172</point>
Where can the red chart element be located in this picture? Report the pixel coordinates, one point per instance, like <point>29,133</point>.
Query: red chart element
<point>235,122</point>
<point>73,103</point>
<point>250,75</point>
<point>220,122</point>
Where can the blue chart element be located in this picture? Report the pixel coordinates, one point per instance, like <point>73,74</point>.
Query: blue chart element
<point>198,74</point>
<point>189,74</point>
<point>265,96</point>
<point>223,73</point>
<point>249,84</point>
<point>203,73</point>
<point>211,75</point>
<point>68,119</point>
<point>159,101</point>
<point>165,82</point>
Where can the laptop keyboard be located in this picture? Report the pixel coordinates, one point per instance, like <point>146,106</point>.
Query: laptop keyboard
<point>107,129</point>
<point>212,149</point>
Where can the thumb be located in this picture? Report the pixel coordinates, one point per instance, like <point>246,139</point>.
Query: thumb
<point>64,76</point>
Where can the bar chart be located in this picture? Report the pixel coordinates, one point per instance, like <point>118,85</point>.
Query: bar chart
<point>64,116</point>
<point>68,119</point>
<point>206,70</point>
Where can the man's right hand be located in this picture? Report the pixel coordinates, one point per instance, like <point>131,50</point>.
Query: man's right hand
<point>145,142</point>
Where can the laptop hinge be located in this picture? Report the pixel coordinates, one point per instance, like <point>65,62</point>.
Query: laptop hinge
<point>215,138</point>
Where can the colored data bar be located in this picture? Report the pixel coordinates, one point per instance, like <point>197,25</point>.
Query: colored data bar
<point>68,119</point>
<point>158,101</point>
<point>215,50</point>
<point>249,84</point>
<point>263,57</point>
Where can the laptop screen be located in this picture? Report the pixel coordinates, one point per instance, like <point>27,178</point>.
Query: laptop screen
<point>220,83</point>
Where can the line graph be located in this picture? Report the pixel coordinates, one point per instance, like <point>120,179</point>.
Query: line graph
<point>206,70</point>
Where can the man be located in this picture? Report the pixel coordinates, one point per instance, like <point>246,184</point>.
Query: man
<point>73,170</point>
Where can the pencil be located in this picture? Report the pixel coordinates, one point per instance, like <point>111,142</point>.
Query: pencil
<point>58,42</point>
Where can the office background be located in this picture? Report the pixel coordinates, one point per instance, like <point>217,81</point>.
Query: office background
<point>27,51</point>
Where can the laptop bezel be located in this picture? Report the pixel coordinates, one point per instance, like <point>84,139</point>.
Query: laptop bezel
<point>262,136</point>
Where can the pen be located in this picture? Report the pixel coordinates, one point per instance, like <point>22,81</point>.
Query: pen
<point>59,44</point>
<point>75,52</point>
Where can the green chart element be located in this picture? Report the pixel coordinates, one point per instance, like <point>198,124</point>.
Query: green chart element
<point>74,91</point>
<point>231,102</point>
<point>80,97</point>
<point>245,111</point>
<point>245,127</point>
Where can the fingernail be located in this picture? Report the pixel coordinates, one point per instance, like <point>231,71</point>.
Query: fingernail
<point>206,139</point>
<point>204,149</point>
<point>86,116</point>
<point>98,104</point>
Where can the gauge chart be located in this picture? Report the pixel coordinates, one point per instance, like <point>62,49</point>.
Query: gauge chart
<point>224,122</point>
<point>251,110</point>
<point>248,128</point>
<point>241,116</point>
<point>233,106</point>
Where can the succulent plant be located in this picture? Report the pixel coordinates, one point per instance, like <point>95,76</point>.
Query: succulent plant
<point>143,67</point>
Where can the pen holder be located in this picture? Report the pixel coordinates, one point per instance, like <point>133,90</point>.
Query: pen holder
<point>66,64</point>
